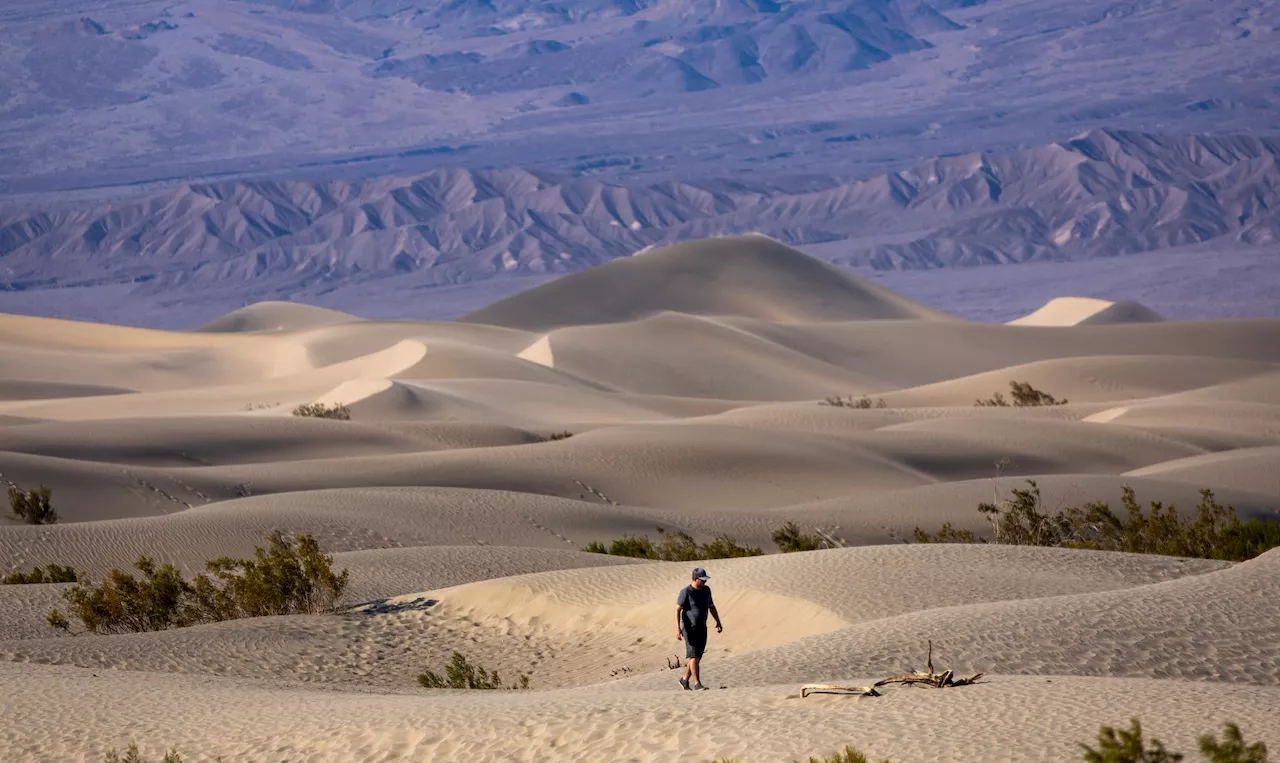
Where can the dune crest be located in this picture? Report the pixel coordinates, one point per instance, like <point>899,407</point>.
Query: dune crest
<point>1086,311</point>
<point>752,276</point>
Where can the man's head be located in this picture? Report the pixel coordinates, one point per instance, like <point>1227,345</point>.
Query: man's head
<point>700,577</point>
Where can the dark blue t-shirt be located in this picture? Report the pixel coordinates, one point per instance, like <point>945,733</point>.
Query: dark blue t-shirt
<point>696,604</point>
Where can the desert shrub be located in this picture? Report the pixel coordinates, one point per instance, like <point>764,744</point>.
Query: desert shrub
<point>461,674</point>
<point>131,755</point>
<point>1214,533</point>
<point>1232,748</point>
<point>674,547</point>
<point>559,436</point>
<point>789,538</point>
<point>280,580</point>
<point>725,547</point>
<point>1024,396</point>
<point>125,604</point>
<point>58,620</point>
<point>33,506</point>
<point>863,402</point>
<point>1123,746</point>
<point>947,534</point>
<point>51,574</point>
<point>847,755</point>
<point>1128,746</point>
<point>336,411</point>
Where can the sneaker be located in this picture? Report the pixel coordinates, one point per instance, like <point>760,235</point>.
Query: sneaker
<point>685,683</point>
<point>700,687</point>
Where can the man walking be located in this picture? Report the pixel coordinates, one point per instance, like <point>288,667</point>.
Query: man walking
<point>692,606</point>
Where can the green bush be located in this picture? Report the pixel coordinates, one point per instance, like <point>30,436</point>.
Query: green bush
<point>789,538</point>
<point>33,506</point>
<point>461,674</point>
<point>863,402</point>
<point>1214,533</point>
<point>847,755</point>
<point>674,547</point>
<point>279,580</point>
<point>1024,396</point>
<point>336,411</point>
<point>131,755</point>
<point>51,574</point>
<point>1123,746</point>
<point>1128,746</point>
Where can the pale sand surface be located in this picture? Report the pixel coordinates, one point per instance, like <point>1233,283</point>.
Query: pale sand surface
<point>690,378</point>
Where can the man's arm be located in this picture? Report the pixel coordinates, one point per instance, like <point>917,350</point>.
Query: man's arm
<point>711,607</point>
<point>682,601</point>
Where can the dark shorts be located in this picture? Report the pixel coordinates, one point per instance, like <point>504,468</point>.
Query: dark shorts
<point>695,641</point>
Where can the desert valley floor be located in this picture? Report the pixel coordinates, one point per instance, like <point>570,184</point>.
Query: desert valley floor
<point>691,379</point>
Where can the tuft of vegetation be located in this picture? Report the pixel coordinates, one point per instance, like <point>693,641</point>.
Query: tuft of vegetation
<point>789,538</point>
<point>674,547</point>
<point>337,411</point>
<point>1024,396</point>
<point>51,574</point>
<point>554,436</point>
<point>1128,746</point>
<point>131,755</point>
<point>1232,748</point>
<point>847,755</point>
<point>862,403</point>
<point>33,506</point>
<point>1214,533</point>
<point>461,674</point>
<point>1122,746</point>
<point>282,579</point>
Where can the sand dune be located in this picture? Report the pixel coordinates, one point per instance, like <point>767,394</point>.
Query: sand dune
<point>1084,311</point>
<point>750,276</point>
<point>695,385</point>
<point>275,316</point>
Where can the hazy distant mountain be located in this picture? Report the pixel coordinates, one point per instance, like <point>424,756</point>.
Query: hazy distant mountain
<point>103,93</point>
<point>1101,194</point>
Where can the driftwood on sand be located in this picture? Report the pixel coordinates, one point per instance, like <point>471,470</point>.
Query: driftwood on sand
<point>926,677</point>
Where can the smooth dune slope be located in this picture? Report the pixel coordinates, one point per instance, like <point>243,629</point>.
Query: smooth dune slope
<point>1085,311</point>
<point>751,276</point>
<point>716,388</point>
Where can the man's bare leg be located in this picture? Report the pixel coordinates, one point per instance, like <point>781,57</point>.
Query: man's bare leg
<point>688,667</point>
<point>694,665</point>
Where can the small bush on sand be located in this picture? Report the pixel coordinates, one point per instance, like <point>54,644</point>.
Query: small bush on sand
<point>33,506</point>
<point>554,436</point>
<point>1128,746</point>
<point>863,402</point>
<point>461,674</point>
<point>131,755</point>
<point>847,755</point>
<point>280,580</point>
<point>789,538</point>
<point>1024,396</point>
<point>336,411</point>
<point>674,547</point>
<point>1215,532</point>
<point>1123,746</point>
<point>51,574</point>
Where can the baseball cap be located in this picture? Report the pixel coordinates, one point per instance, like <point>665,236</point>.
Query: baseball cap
<point>700,573</point>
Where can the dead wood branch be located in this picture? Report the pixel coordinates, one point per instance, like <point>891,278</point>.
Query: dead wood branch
<point>929,678</point>
<point>862,691</point>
